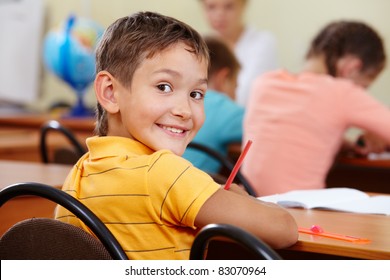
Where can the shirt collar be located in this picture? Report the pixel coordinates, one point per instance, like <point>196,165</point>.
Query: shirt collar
<point>111,146</point>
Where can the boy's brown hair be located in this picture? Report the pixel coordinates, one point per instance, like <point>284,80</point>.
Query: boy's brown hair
<point>131,39</point>
<point>221,56</point>
<point>341,38</point>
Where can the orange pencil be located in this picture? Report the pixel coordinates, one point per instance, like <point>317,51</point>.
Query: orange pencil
<point>335,236</point>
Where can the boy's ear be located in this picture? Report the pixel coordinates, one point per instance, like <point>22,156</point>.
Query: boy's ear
<point>105,91</point>
<point>348,66</point>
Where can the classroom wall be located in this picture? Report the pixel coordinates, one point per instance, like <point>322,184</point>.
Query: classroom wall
<point>294,23</point>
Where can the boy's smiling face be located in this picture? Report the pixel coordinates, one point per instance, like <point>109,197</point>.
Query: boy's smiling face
<point>163,108</point>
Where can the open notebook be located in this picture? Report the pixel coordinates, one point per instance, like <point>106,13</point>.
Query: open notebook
<point>338,199</point>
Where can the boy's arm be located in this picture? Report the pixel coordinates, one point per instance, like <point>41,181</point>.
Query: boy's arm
<point>271,223</point>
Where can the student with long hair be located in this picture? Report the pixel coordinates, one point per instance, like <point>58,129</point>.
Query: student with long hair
<point>297,122</point>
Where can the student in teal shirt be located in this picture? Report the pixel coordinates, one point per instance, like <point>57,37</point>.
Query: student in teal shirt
<point>224,117</point>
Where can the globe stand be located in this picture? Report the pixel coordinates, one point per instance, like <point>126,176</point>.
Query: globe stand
<point>79,109</point>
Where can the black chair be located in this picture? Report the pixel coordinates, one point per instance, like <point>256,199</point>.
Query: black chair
<point>249,242</point>
<point>62,155</point>
<point>24,244</point>
<point>49,239</point>
<point>225,163</point>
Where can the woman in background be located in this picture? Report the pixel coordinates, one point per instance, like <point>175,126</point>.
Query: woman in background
<point>255,50</point>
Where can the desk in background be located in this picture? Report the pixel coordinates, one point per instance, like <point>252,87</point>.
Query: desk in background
<point>19,135</point>
<point>34,121</point>
<point>361,173</point>
<point>378,161</point>
<point>21,208</point>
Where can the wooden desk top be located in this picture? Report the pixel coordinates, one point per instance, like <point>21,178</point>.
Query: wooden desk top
<point>23,144</point>
<point>25,207</point>
<point>36,120</point>
<point>16,171</point>
<point>374,227</point>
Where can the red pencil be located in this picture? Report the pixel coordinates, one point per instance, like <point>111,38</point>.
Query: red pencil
<point>237,165</point>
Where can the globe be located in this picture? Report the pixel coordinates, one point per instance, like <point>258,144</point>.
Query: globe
<point>69,53</point>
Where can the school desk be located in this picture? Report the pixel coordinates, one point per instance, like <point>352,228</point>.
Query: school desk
<point>374,227</point>
<point>24,144</point>
<point>19,135</point>
<point>361,173</point>
<point>23,121</point>
<point>366,161</point>
<point>21,208</point>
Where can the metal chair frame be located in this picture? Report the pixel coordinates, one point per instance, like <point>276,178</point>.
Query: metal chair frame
<point>73,205</point>
<point>54,125</point>
<point>253,244</point>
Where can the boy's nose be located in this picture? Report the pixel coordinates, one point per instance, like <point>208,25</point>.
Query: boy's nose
<point>182,109</point>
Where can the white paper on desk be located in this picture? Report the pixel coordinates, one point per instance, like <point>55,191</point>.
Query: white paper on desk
<point>338,199</point>
<point>373,205</point>
<point>21,27</point>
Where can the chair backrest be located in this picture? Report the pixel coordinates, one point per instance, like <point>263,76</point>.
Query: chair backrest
<point>226,163</point>
<point>73,205</point>
<point>49,239</point>
<point>66,155</point>
<point>251,243</point>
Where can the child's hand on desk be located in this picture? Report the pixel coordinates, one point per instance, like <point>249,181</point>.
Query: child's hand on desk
<point>370,143</point>
<point>237,189</point>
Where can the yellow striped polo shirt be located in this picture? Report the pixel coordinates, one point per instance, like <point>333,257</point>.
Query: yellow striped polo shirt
<point>149,200</point>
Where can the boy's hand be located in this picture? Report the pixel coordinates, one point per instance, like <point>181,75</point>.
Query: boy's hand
<point>238,189</point>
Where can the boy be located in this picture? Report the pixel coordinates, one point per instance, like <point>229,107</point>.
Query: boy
<point>224,117</point>
<point>150,83</point>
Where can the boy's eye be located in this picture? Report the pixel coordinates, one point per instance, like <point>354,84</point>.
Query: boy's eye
<point>197,95</point>
<point>164,87</point>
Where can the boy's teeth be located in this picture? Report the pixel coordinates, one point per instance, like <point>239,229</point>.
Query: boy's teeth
<point>174,130</point>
